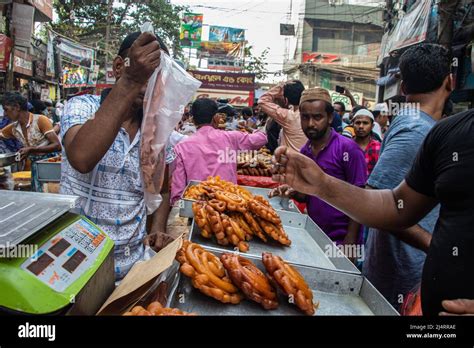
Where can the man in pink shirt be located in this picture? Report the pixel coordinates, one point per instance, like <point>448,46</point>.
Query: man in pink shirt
<point>282,104</point>
<point>209,152</point>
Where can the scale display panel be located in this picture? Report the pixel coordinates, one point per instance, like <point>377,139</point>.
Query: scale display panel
<point>63,259</point>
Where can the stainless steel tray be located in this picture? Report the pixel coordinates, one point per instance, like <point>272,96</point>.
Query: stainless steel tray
<point>7,159</point>
<point>22,214</point>
<point>310,246</point>
<point>277,203</point>
<point>338,293</point>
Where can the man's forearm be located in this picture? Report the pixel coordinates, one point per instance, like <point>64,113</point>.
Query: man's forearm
<point>415,236</point>
<point>160,216</point>
<point>353,102</point>
<point>397,213</point>
<point>269,102</point>
<point>96,136</point>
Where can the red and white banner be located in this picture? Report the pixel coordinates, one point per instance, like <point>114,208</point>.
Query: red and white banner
<point>5,51</point>
<point>321,58</point>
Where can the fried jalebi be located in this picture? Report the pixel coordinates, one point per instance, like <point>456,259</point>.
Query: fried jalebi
<point>234,233</point>
<point>207,273</point>
<point>276,232</point>
<point>290,281</point>
<point>263,211</point>
<point>248,278</point>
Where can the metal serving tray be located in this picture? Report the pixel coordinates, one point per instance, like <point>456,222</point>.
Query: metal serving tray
<point>338,293</point>
<point>7,159</point>
<point>310,246</point>
<point>278,203</point>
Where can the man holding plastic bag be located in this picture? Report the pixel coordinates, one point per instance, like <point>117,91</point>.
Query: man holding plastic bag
<point>102,140</point>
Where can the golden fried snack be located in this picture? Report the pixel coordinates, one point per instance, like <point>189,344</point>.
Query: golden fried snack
<point>233,201</point>
<point>242,224</point>
<point>194,192</point>
<point>215,222</point>
<point>138,311</point>
<point>276,232</point>
<point>207,273</point>
<point>262,200</point>
<point>209,191</point>
<point>290,281</point>
<point>219,206</point>
<point>248,278</point>
<point>255,227</point>
<point>200,216</point>
<point>244,193</point>
<point>263,211</point>
<point>155,308</point>
<point>234,233</point>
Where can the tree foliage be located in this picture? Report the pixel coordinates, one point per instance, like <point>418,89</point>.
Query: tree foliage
<point>86,20</point>
<point>256,64</point>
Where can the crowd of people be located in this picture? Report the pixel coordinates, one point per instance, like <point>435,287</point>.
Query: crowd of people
<point>357,170</point>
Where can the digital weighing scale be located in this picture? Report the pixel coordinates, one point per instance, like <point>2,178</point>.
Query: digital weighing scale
<point>51,261</point>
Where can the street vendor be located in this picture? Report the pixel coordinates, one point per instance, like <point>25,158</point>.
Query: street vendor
<point>210,151</point>
<point>101,163</point>
<point>338,156</point>
<point>34,131</point>
<point>281,104</point>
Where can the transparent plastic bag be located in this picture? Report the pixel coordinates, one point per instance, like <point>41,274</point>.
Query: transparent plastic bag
<point>169,89</point>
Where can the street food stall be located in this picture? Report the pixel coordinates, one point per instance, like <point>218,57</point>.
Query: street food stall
<point>241,255</point>
<point>286,266</point>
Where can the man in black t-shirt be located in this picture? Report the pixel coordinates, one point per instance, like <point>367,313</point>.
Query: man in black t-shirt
<point>442,173</point>
<point>442,170</point>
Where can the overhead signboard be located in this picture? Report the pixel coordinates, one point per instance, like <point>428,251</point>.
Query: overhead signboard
<point>22,24</point>
<point>226,34</point>
<point>223,80</point>
<point>236,98</point>
<point>191,29</point>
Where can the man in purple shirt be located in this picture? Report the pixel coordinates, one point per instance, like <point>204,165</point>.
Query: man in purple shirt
<point>210,151</point>
<point>338,156</point>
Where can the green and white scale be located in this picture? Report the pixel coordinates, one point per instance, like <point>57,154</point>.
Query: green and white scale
<point>66,262</point>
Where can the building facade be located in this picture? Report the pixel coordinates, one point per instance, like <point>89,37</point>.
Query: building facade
<point>336,43</point>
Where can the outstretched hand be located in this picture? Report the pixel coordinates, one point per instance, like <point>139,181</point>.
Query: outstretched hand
<point>296,170</point>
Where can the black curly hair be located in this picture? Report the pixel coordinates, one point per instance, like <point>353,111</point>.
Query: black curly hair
<point>424,67</point>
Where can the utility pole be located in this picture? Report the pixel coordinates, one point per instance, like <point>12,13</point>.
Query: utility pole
<point>107,31</point>
<point>287,39</point>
